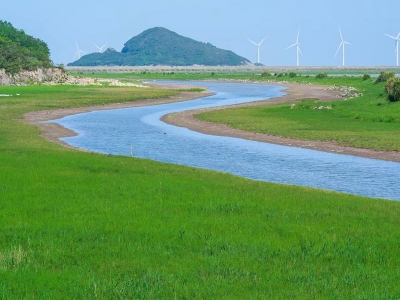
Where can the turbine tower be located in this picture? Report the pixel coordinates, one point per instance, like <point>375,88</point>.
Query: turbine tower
<point>258,48</point>
<point>78,51</point>
<point>343,42</point>
<point>100,48</point>
<point>298,51</point>
<point>397,39</point>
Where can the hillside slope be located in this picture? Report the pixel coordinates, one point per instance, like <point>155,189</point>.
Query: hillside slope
<point>19,51</point>
<point>160,46</point>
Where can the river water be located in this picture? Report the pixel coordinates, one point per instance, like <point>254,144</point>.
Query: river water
<point>118,131</point>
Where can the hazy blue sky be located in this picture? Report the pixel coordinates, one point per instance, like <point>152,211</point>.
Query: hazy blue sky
<point>226,24</point>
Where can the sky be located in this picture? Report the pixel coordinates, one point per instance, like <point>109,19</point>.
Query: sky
<point>227,24</point>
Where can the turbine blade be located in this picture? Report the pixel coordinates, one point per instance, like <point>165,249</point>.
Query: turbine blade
<point>398,36</point>
<point>252,42</point>
<point>339,48</point>
<point>300,50</point>
<point>291,46</point>
<point>96,46</point>
<point>103,46</point>
<point>298,34</point>
<point>391,36</point>
<point>340,31</point>
<point>262,41</point>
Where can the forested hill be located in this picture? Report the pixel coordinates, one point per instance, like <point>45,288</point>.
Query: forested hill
<point>160,46</point>
<point>19,51</point>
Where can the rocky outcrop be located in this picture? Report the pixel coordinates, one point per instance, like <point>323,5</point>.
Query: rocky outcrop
<point>55,76</point>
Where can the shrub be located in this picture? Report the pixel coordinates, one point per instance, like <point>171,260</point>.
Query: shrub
<point>384,76</point>
<point>280,75</point>
<point>292,75</point>
<point>321,75</point>
<point>366,77</point>
<point>392,87</point>
<point>265,74</point>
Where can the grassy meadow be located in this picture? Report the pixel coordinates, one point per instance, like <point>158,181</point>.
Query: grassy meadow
<point>77,225</point>
<point>369,121</point>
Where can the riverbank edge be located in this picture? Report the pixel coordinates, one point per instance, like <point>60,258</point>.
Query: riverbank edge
<point>295,93</point>
<point>52,132</point>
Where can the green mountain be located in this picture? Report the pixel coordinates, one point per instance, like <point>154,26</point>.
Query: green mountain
<point>160,46</point>
<point>19,51</point>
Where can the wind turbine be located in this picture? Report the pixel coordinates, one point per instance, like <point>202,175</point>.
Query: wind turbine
<point>258,48</point>
<point>78,51</point>
<point>297,44</point>
<point>343,42</point>
<point>100,48</point>
<point>397,39</point>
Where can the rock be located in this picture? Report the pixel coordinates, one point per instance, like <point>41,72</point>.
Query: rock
<point>55,76</point>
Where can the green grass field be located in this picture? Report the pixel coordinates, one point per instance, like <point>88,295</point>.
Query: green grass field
<point>76,225</point>
<point>369,121</point>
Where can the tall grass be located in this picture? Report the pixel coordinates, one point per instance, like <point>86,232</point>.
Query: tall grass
<point>77,225</point>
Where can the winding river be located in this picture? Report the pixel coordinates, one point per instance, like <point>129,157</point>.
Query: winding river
<point>140,129</point>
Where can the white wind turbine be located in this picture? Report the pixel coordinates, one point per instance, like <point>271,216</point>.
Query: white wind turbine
<point>397,39</point>
<point>78,51</point>
<point>297,44</point>
<point>258,48</point>
<point>342,43</point>
<point>100,48</point>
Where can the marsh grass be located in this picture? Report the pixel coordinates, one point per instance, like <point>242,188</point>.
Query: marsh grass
<point>77,225</point>
<point>369,121</point>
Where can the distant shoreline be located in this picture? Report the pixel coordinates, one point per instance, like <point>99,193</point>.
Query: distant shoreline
<point>249,68</point>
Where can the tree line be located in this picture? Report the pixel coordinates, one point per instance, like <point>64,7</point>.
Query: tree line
<point>19,51</point>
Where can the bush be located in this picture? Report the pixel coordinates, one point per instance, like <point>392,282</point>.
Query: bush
<point>292,75</point>
<point>321,75</point>
<point>392,87</point>
<point>384,76</point>
<point>265,74</point>
<point>280,75</point>
<point>366,77</point>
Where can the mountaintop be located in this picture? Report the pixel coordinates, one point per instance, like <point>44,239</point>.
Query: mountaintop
<point>160,46</point>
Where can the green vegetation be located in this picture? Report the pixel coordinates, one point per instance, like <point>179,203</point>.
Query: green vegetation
<point>76,225</point>
<point>384,76</point>
<point>160,46</point>
<point>19,51</point>
<point>321,75</point>
<point>366,77</point>
<point>369,121</point>
<point>392,88</point>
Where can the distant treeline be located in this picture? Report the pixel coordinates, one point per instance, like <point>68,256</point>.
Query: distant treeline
<point>19,51</point>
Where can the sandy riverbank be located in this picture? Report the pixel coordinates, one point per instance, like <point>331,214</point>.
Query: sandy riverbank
<point>53,132</point>
<point>295,92</point>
